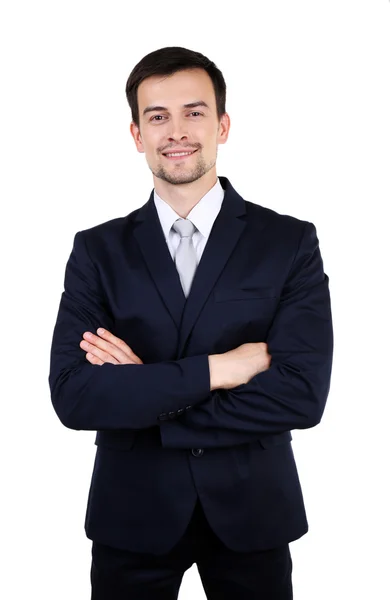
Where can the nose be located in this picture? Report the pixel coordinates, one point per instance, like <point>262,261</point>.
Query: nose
<point>178,130</point>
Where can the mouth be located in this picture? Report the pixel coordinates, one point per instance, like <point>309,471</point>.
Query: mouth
<point>179,156</point>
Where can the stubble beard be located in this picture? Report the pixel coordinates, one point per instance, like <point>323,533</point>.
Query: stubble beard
<point>183,175</point>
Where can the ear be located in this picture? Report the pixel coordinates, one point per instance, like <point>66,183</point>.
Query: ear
<point>224,128</point>
<point>135,132</point>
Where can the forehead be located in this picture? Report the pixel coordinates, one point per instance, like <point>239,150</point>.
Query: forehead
<point>176,90</point>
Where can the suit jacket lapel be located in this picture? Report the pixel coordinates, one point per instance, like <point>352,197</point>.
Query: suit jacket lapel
<point>151,240</point>
<point>226,232</point>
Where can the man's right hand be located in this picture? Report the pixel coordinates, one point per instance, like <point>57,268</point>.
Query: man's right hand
<point>239,365</point>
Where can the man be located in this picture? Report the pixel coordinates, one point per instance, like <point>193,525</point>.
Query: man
<point>193,335</point>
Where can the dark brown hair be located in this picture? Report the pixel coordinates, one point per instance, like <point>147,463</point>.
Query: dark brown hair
<point>167,61</point>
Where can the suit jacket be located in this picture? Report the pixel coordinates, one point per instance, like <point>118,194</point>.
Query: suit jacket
<point>163,438</point>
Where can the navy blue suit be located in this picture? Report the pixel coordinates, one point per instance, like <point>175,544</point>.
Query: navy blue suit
<point>163,438</point>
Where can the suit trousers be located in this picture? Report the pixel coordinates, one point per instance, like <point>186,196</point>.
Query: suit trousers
<point>225,574</point>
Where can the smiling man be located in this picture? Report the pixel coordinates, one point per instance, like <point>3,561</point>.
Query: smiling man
<point>180,138</point>
<point>192,335</point>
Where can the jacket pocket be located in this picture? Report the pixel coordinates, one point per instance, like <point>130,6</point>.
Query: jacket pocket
<point>122,439</point>
<point>267,441</point>
<point>264,293</point>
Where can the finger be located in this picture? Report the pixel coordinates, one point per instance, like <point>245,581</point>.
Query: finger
<point>98,352</point>
<point>94,360</point>
<point>106,347</point>
<point>118,343</point>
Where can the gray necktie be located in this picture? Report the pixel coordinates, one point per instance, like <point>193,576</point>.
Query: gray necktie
<point>185,258</point>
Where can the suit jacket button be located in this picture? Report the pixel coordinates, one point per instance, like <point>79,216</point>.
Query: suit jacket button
<point>197,451</point>
<point>187,407</point>
<point>180,411</point>
<point>172,415</point>
<point>163,417</point>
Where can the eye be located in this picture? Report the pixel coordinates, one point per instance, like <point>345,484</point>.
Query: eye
<point>194,112</point>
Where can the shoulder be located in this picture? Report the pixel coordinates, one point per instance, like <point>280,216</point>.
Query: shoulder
<point>108,231</point>
<point>283,226</point>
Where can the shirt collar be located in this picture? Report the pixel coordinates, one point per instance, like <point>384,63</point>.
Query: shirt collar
<point>202,215</point>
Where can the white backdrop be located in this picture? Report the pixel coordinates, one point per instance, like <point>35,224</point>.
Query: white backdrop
<point>308,96</point>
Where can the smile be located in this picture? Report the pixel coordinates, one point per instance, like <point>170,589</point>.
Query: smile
<point>179,155</point>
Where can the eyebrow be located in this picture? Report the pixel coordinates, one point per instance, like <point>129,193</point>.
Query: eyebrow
<point>189,105</point>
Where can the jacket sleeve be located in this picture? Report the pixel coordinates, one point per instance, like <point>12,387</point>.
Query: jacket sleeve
<point>108,396</point>
<point>292,393</point>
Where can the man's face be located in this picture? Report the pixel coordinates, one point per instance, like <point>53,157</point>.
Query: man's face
<point>166,124</point>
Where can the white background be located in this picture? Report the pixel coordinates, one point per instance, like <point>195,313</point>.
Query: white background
<point>308,96</point>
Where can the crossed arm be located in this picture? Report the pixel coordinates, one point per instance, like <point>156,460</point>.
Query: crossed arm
<point>290,394</point>
<point>227,370</point>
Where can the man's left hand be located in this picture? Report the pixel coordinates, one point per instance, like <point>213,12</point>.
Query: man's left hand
<point>107,348</point>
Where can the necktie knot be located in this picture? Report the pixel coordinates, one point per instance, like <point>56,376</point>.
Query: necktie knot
<point>184,227</point>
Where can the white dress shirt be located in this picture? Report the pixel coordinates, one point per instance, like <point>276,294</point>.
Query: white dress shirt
<point>202,216</point>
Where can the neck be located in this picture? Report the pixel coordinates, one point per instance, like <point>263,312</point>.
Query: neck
<point>183,197</point>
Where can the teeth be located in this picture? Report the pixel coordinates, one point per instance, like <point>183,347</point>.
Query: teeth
<point>179,153</point>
